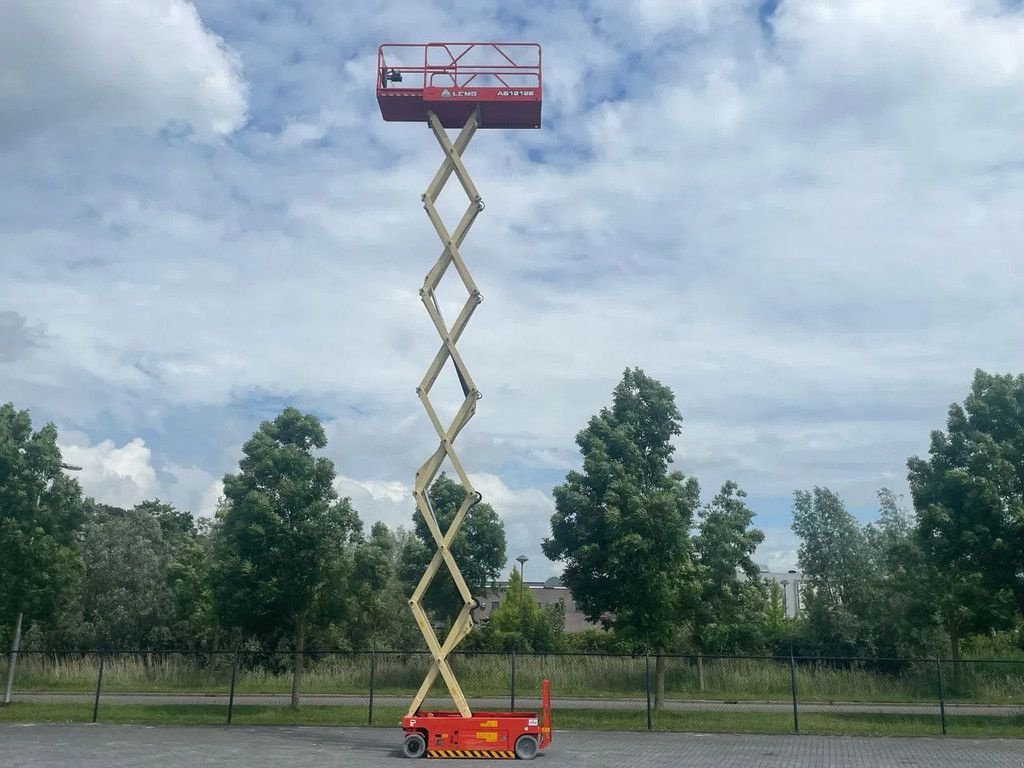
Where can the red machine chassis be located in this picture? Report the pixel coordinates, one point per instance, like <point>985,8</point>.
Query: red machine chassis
<point>485,734</point>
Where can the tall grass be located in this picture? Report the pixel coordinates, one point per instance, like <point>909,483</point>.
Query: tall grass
<point>56,672</point>
<point>724,679</point>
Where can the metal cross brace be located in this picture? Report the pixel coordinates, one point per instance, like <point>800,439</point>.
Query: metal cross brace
<point>426,473</point>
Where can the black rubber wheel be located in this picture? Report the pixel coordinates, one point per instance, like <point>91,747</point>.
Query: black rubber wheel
<point>415,745</point>
<point>526,747</point>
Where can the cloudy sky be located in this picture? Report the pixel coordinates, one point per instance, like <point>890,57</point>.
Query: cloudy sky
<point>804,217</point>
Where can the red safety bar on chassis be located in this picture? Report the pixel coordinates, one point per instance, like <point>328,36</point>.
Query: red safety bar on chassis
<point>501,80</point>
<point>545,722</point>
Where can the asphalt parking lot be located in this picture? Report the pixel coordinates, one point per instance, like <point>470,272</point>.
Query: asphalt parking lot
<point>137,746</point>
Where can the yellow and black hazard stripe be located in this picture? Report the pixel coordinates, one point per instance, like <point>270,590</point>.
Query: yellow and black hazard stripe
<point>501,753</point>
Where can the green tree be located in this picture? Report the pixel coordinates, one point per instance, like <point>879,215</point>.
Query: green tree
<point>189,575</point>
<point>520,624</point>
<point>283,534</point>
<point>479,549</point>
<point>969,497</point>
<point>41,511</point>
<point>775,620</point>
<point>145,582</point>
<point>727,614</point>
<point>595,641</point>
<point>176,525</point>
<point>187,551</point>
<point>837,567</point>
<point>903,619</point>
<point>621,526</point>
<point>125,595</point>
<point>379,617</point>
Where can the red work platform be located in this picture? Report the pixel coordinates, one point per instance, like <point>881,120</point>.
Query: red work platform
<point>453,79</point>
<point>484,735</point>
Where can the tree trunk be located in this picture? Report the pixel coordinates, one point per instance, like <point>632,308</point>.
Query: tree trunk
<point>700,672</point>
<point>659,681</point>
<point>954,651</point>
<point>15,645</point>
<point>216,640</point>
<point>300,643</point>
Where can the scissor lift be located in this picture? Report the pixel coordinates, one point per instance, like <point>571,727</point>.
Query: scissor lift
<point>467,86</point>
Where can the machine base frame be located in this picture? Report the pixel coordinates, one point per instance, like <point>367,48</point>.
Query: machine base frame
<point>485,734</point>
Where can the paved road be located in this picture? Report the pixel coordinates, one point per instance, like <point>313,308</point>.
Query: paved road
<point>139,699</point>
<point>132,746</point>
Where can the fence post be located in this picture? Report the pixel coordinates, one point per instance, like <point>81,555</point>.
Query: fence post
<point>942,695</point>
<point>647,682</point>
<point>234,678</point>
<point>373,679</point>
<point>12,664</point>
<point>99,687</point>
<point>792,685</point>
<point>512,702</point>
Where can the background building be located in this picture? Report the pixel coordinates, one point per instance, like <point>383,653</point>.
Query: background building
<point>544,592</point>
<point>790,581</point>
<point>553,591</point>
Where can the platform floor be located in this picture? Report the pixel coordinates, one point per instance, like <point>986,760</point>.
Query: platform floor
<point>121,746</point>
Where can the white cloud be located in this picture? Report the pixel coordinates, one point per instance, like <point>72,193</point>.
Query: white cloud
<point>389,491</point>
<point>125,475</point>
<point>299,132</point>
<point>811,235</point>
<point>17,338</point>
<point>108,63</point>
<point>192,488</point>
<point>388,501</point>
<point>211,499</point>
<point>524,512</point>
<point>121,476</point>
<point>663,15</point>
<point>778,551</point>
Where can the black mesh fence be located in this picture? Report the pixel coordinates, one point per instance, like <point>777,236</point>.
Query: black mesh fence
<point>982,698</point>
<point>671,692</point>
<point>52,687</point>
<point>866,696</point>
<point>163,687</point>
<point>717,693</point>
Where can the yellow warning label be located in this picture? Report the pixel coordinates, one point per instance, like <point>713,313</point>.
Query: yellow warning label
<point>487,735</point>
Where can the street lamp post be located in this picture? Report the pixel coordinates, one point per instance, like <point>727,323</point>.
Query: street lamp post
<point>522,570</point>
